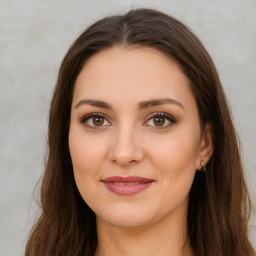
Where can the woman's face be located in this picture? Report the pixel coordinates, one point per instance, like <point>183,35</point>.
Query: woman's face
<point>135,138</point>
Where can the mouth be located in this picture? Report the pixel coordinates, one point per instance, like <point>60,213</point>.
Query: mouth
<point>127,185</point>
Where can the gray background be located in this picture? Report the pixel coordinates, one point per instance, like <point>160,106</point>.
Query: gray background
<point>34,36</point>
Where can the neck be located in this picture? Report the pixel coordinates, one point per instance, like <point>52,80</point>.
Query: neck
<point>165,238</point>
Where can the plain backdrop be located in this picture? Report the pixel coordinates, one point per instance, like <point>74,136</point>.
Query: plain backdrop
<point>35,35</point>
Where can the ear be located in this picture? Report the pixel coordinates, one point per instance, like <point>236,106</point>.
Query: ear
<point>206,146</point>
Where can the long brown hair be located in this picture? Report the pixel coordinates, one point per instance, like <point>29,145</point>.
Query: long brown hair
<point>219,205</point>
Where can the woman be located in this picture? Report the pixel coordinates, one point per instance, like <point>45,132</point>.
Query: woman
<point>143,157</point>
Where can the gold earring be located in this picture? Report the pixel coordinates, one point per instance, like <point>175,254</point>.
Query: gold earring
<point>203,164</point>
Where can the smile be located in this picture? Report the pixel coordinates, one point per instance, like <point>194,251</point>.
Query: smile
<point>127,185</point>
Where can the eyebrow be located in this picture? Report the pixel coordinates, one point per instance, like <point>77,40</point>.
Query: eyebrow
<point>95,103</point>
<point>157,102</point>
<point>141,105</point>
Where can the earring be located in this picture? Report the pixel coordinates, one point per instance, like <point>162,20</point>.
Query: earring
<point>203,164</point>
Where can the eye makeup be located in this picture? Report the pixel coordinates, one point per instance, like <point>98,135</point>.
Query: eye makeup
<point>159,120</point>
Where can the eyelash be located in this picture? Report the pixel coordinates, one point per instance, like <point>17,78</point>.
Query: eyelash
<point>165,116</point>
<point>155,115</point>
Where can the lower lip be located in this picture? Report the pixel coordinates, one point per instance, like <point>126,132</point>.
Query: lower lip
<point>127,189</point>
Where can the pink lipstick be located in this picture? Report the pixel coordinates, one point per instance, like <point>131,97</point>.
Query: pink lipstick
<point>127,185</point>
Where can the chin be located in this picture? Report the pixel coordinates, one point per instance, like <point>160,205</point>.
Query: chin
<point>126,218</point>
<point>125,221</point>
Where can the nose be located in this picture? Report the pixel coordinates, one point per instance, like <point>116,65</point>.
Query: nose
<point>125,147</point>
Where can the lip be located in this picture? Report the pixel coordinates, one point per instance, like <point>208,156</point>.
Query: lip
<point>127,185</point>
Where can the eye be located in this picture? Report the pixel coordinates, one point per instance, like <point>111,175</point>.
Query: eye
<point>95,120</point>
<point>160,120</point>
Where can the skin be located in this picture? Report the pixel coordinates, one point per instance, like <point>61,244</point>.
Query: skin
<point>129,141</point>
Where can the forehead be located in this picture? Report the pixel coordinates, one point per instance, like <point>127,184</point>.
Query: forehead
<point>133,74</point>
<point>129,59</point>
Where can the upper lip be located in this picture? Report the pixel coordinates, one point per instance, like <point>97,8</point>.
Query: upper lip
<point>129,179</point>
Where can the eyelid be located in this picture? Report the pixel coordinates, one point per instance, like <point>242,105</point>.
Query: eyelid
<point>91,115</point>
<point>170,118</point>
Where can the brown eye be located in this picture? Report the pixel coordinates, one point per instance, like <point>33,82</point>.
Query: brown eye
<point>159,121</point>
<point>98,121</point>
<point>95,120</point>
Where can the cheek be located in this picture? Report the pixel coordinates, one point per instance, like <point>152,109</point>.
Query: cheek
<point>175,154</point>
<point>85,151</point>
<point>87,155</point>
<point>174,157</point>
<point>175,165</point>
